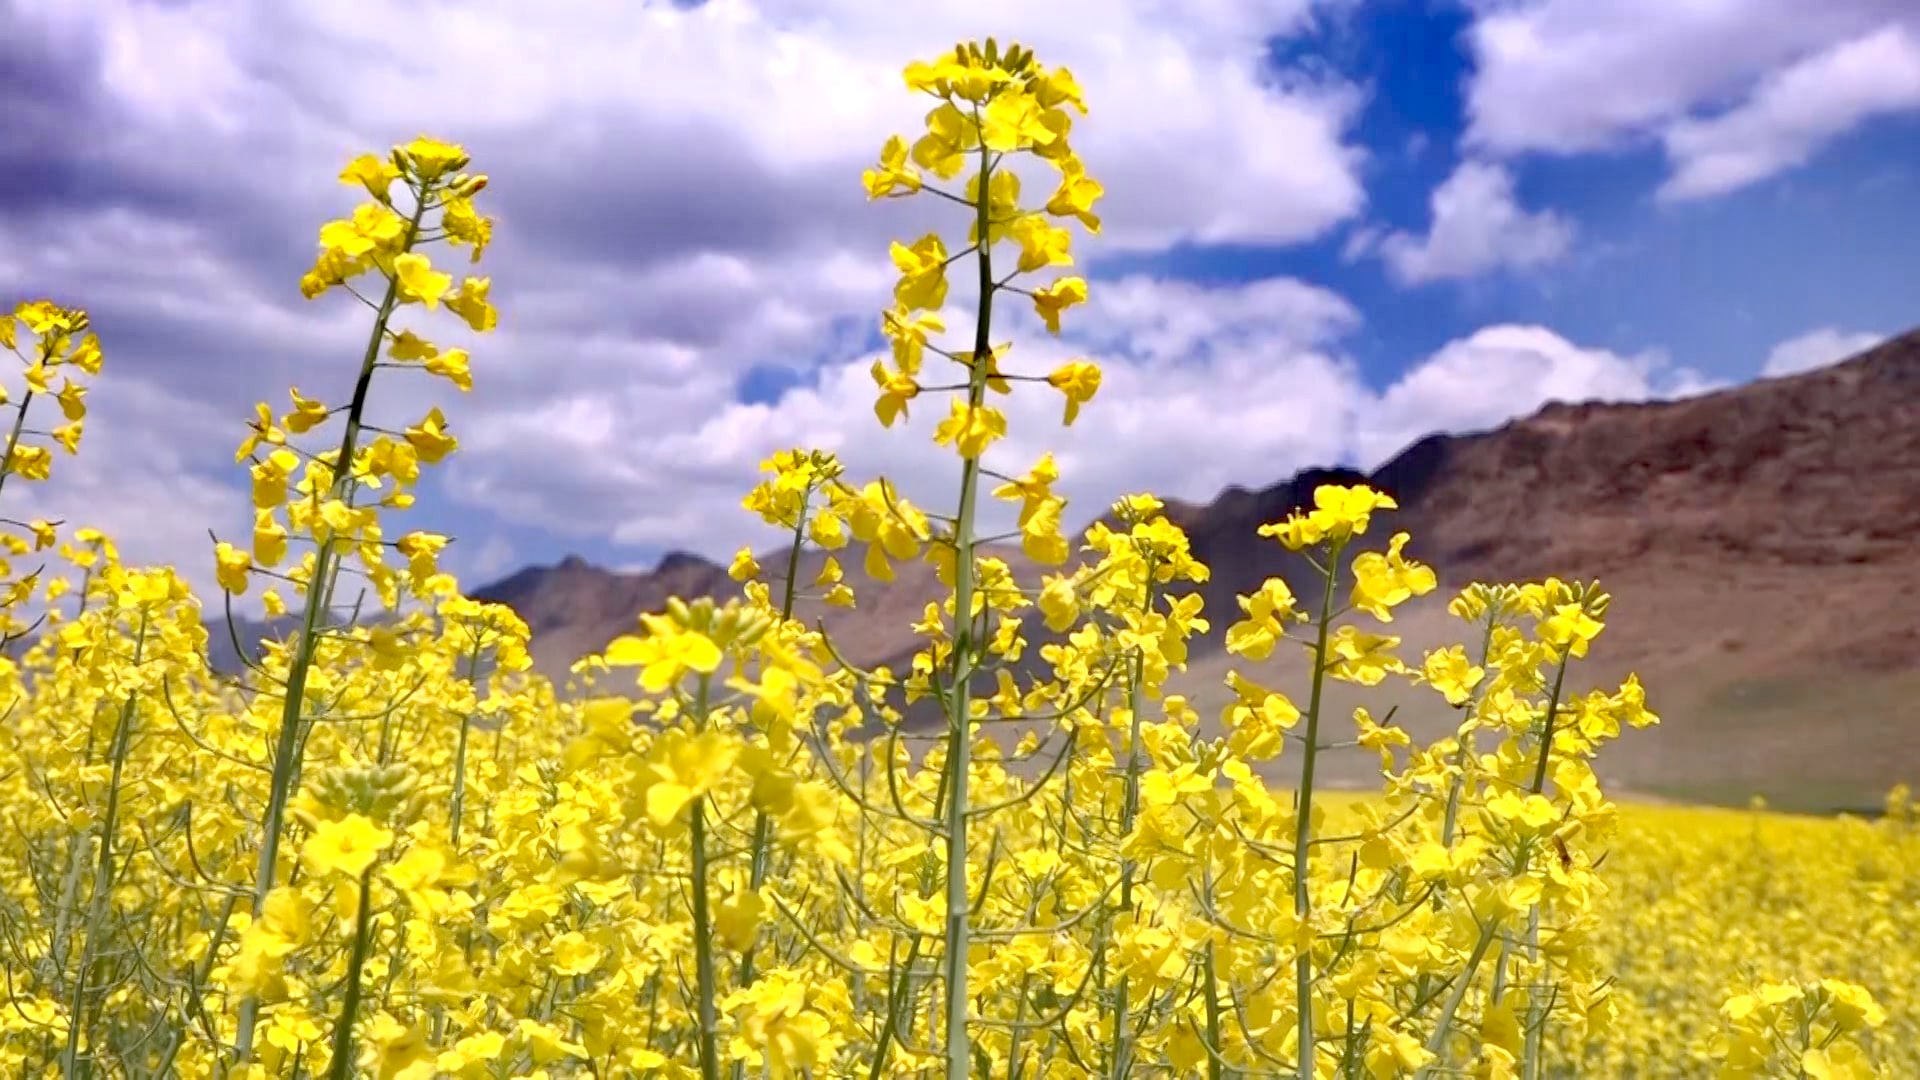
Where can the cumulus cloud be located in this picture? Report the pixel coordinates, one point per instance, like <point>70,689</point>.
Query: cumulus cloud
<point>1736,90</point>
<point>1500,372</point>
<point>139,479</point>
<point>1478,226</point>
<point>677,194</point>
<point>1816,349</point>
<point>1793,113</point>
<point>494,557</point>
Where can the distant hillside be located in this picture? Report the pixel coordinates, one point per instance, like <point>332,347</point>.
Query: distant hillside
<point>1762,544</point>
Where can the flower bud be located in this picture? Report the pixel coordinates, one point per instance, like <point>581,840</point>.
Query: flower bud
<point>382,793</point>
<point>679,612</point>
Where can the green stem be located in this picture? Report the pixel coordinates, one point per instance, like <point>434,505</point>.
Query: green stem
<point>703,948</point>
<point>1536,1021</point>
<point>1546,734</point>
<point>1129,813</point>
<point>896,1004</point>
<point>1531,1050</point>
<point>457,810</point>
<point>706,986</point>
<point>350,1008</point>
<point>13,437</point>
<point>1303,824</point>
<point>1462,755</point>
<point>959,1048</point>
<point>1487,933</point>
<point>1465,752</point>
<point>77,852</point>
<point>1214,1047</point>
<point>1444,1025</point>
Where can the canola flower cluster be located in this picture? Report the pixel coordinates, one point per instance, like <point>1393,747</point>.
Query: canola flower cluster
<point>390,849</point>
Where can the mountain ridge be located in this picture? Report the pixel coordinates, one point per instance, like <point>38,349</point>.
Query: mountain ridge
<point>1762,543</point>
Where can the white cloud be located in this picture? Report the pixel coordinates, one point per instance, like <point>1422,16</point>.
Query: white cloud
<point>678,199</point>
<point>1793,114</point>
<point>1499,372</point>
<point>798,96</point>
<point>1736,89</point>
<point>1817,349</point>
<point>1166,320</point>
<point>494,557</point>
<point>1361,241</point>
<point>1576,75</point>
<point>136,480</point>
<point>1478,226</point>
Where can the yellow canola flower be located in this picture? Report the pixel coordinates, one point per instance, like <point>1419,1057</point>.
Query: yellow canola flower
<point>1052,299</point>
<point>372,172</point>
<point>233,567</point>
<point>470,303</point>
<point>1079,380</point>
<point>665,653</point>
<point>418,282</point>
<point>923,274</point>
<point>453,366</point>
<point>347,846</point>
<point>430,439</point>
<point>970,429</point>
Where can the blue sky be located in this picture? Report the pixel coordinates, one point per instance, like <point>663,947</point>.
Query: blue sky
<point>1333,227</point>
<point>1716,282</point>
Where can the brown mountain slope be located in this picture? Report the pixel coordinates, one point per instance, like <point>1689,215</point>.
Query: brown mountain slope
<point>575,608</point>
<point>1762,545</point>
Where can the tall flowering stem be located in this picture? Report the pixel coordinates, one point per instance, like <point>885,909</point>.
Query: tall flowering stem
<point>379,238</point>
<point>994,105</point>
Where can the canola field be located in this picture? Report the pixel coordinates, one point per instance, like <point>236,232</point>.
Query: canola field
<point>387,848</point>
<point>1703,904</point>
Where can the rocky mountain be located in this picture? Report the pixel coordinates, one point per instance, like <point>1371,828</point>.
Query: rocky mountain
<point>1762,544</point>
<point>575,608</point>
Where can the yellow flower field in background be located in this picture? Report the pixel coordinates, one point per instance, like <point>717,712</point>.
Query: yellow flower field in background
<point>389,849</point>
<point>1706,902</point>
